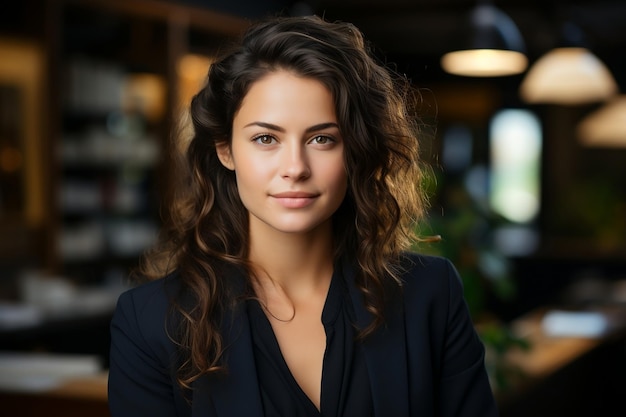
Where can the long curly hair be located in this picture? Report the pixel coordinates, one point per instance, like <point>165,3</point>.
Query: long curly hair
<point>206,227</point>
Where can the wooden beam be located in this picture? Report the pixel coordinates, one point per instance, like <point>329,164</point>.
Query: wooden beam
<point>202,18</point>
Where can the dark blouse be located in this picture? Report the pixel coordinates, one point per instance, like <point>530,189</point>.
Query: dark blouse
<point>345,381</point>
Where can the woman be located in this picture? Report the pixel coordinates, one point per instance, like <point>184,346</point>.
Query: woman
<point>282,285</point>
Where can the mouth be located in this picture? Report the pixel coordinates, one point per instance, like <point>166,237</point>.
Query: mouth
<point>295,199</point>
<point>294,194</point>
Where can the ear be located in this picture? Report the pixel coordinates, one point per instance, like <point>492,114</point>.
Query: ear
<point>225,155</point>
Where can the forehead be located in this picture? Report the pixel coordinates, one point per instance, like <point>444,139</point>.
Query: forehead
<point>284,95</point>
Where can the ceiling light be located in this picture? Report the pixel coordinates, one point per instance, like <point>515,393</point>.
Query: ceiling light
<point>606,127</point>
<point>569,75</point>
<point>495,47</point>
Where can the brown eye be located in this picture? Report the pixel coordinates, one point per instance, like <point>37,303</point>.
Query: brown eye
<point>264,139</point>
<point>321,140</point>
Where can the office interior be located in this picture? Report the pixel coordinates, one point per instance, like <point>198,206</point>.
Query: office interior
<point>527,183</point>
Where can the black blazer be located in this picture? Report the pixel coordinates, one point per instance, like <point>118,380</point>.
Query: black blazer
<point>427,360</point>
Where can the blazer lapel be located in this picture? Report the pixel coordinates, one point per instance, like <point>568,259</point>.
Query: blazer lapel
<point>385,354</point>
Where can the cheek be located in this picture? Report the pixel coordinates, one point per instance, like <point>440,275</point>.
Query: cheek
<point>253,178</point>
<point>248,168</point>
<point>256,170</point>
<point>337,176</point>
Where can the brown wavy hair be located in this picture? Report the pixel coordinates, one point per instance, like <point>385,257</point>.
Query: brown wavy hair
<point>206,227</point>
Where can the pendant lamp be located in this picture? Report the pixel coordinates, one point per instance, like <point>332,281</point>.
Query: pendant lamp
<point>495,46</point>
<point>605,127</point>
<point>568,75</point>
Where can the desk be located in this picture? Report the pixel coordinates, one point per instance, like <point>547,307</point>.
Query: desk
<point>566,376</point>
<point>547,354</point>
<point>76,397</point>
<point>45,384</point>
<point>85,388</point>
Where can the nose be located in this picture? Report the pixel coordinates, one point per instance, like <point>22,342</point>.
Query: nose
<point>295,164</point>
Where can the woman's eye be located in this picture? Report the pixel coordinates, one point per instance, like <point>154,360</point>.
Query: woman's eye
<point>321,140</point>
<point>264,139</point>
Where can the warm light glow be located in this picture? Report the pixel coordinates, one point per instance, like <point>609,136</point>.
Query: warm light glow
<point>22,64</point>
<point>568,76</point>
<point>606,126</point>
<point>145,93</point>
<point>192,72</point>
<point>484,62</point>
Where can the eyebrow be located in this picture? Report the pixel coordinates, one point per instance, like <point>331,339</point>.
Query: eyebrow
<point>314,128</point>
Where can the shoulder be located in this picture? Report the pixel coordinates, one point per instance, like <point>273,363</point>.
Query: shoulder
<point>428,279</point>
<point>144,309</point>
<point>152,296</point>
<point>426,270</point>
<point>415,262</point>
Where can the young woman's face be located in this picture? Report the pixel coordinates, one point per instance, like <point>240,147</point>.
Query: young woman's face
<point>287,153</point>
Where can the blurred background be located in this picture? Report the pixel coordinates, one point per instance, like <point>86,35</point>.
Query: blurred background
<point>524,126</point>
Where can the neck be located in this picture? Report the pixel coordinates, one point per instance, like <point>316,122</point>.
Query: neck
<point>299,263</point>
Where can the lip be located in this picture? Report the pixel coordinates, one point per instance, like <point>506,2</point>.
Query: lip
<point>294,194</point>
<point>294,199</point>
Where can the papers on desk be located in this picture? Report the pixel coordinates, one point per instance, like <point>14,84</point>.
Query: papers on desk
<point>560,323</point>
<point>19,315</point>
<point>37,372</point>
<point>47,299</point>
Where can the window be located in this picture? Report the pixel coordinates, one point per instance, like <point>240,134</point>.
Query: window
<point>515,147</point>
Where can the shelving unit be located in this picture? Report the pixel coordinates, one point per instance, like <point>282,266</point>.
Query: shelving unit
<point>112,135</point>
<point>115,94</point>
<point>91,89</point>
